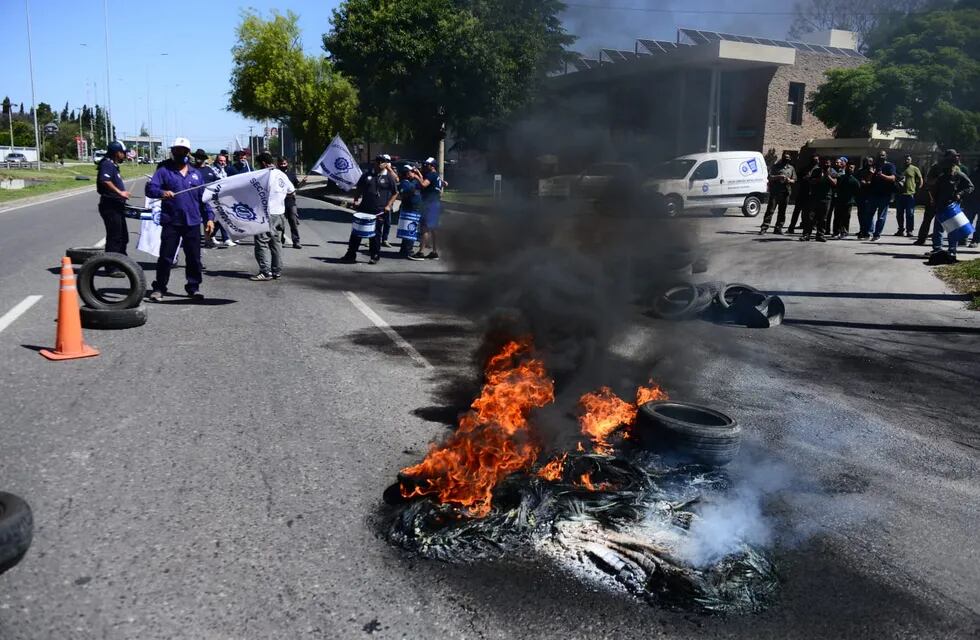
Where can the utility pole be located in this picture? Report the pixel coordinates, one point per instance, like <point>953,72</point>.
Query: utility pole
<point>442,141</point>
<point>250,152</point>
<point>30,61</point>
<point>108,88</point>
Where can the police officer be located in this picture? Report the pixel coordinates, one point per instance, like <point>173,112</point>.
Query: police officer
<point>178,185</point>
<point>112,203</point>
<point>375,194</point>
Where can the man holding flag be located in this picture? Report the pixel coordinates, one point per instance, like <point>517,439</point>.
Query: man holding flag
<point>178,185</point>
<point>948,190</point>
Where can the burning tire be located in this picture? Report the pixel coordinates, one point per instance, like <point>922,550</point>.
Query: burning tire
<point>16,530</point>
<point>691,432</point>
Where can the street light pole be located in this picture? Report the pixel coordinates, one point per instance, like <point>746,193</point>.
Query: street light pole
<point>108,88</point>
<point>30,62</point>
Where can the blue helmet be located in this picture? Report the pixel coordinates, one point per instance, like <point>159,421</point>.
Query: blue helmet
<point>115,146</point>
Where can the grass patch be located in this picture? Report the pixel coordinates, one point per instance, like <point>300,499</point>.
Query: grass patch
<point>57,178</point>
<point>474,199</point>
<point>963,277</point>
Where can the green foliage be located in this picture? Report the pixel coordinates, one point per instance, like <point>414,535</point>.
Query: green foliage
<point>23,133</point>
<point>272,79</point>
<point>466,63</point>
<point>924,76</point>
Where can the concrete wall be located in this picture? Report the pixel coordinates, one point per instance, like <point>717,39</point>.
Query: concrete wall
<point>30,152</point>
<point>809,69</point>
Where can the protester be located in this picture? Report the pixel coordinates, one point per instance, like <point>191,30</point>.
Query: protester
<point>972,205</point>
<point>782,177</point>
<point>432,187</point>
<point>292,212</point>
<point>882,188</point>
<point>220,169</point>
<point>865,176</point>
<point>268,243</point>
<point>951,186</point>
<point>845,195</point>
<point>200,161</point>
<point>112,203</point>
<point>240,164</point>
<point>908,185</point>
<point>410,199</point>
<point>822,181</point>
<point>178,186</point>
<point>801,201</point>
<point>374,194</point>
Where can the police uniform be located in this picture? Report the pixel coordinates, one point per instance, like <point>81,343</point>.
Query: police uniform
<point>376,189</point>
<point>112,207</point>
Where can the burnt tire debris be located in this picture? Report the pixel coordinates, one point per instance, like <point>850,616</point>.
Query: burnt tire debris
<point>731,303</point>
<point>630,529</point>
<point>16,530</point>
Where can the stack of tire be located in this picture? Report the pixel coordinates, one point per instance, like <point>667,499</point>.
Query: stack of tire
<point>99,311</point>
<point>731,303</point>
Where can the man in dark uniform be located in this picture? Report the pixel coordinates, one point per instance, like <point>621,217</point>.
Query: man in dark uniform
<point>112,202</point>
<point>208,175</point>
<point>844,198</point>
<point>882,190</point>
<point>782,177</point>
<point>802,199</point>
<point>951,185</point>
<point>823,180</point>
<point>375,194</point>
<point>178,185</point>
<point>292,213</point>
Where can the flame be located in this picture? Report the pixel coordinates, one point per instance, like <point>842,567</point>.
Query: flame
<point>602,413</point>
<point>493,439</point>
<point>553,470</point>
<point>650,393</point>
<point>586,481</point>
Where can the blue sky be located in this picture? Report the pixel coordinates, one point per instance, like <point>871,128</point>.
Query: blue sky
<point>185,92</point>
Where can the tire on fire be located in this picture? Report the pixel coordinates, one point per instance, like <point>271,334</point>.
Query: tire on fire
<point>93,298</point>
<point>691,432</point>
<point>16,530</point>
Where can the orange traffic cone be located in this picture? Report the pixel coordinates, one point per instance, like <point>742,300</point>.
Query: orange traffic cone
<point>69,342</point>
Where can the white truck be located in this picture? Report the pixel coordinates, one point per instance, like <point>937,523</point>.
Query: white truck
<point>711,181</point>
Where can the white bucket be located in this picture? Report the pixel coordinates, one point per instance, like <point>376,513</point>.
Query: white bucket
<point>408,225</point>
<point>364,225</point>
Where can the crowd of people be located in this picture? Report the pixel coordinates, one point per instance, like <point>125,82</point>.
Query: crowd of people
<point>827,190</point>
<point>188,224</point>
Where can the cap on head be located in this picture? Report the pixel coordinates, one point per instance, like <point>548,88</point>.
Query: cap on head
<point>430,161</point>
<point>951,153</point>
<point>201,154</point>
<point>181,142</point>
<point>116,146</point>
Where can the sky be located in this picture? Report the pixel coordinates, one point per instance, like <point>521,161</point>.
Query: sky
<point>170,64</point>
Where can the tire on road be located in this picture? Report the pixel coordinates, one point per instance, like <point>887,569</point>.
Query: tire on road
<point>91,296</point>
<point>16,530</point>
<point>682,302</point>
<point>752,206</point>
<point>691,432</point>
<point>730,292</point>
<point>79,255</point>
<point>112,319</point>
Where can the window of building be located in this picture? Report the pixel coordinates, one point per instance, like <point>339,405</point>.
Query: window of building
<point>706,171</point>
<point>794,107</point>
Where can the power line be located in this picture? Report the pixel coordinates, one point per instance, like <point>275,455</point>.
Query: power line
<point>710,11</point>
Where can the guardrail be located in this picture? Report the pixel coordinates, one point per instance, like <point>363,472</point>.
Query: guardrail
<point>17,165</point>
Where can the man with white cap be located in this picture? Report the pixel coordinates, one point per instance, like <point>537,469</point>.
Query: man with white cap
<point>178,185</point>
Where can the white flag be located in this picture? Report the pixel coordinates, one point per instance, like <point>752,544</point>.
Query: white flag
<point>241,203</point>
<point>150,228</point>
<point>338,164</point>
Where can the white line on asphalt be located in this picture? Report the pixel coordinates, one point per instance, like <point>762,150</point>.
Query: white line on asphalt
<point>100,244</point>
<point>8,318</point>
<point>387,330</point>
<point>46,201</point>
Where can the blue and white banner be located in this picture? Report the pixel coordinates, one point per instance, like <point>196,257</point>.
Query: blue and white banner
<point>241,203</point>
<point>955,223</point>
<point>150,228</point>
<point>338,164</point>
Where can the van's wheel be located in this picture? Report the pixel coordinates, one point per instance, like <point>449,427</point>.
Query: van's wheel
<point>16,530</point>
<point>751,207</point>
<point>719,212</point>
<point>673,206</point>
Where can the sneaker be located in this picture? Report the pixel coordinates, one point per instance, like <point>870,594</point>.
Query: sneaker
<point>297,245</point>
<point>374,260</point>
<point>875,238</point>
<point>908,234</point>
<point>762,231</point>
<point>418,255</point>
<point>900,233</point>
<point>777,232</point>
<point>386,244</point>
<point>921,242</point>
<point>276,276</point>
<point>432,256</point>
<point>349,259</point>
<point>229,243</point>
<point>195,295</point>
<point>260,277</point>
<point>156,296</point>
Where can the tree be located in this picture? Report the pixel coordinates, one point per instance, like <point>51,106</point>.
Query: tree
<point>44,113</point>
<point>64,113</point>
<point>925,78</point>
<point>6,106</point>
<point>468,64</point>
<point>860,16</point>
<point>272,79</point>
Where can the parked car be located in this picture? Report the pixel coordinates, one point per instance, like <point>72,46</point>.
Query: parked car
<point>589,184</point>
<point>15,156</point>
<point>98,155</point>
<point>710,181</point>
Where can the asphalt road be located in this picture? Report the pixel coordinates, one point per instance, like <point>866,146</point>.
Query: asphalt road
<point>217,472</point>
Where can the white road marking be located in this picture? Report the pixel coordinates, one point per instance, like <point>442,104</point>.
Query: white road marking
<point>8,318</point>
<point>100,244</point>
<point>387,330</point>
<point>53,199</point>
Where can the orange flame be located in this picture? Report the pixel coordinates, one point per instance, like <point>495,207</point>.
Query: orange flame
<point>586,481</point>
<point>650,394</point>
<point>602,413</point>
<point>553,470</point>
<point>493,439</point>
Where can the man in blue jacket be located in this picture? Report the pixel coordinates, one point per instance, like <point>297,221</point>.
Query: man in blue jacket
<point>179,186</point>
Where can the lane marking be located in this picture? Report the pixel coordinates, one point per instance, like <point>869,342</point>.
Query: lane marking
<point>8,318</point>
<point>100,244</point>
<point>379,322</point>
<point>77,192</point>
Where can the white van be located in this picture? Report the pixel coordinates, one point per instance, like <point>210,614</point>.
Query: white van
<point>711,181</point>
